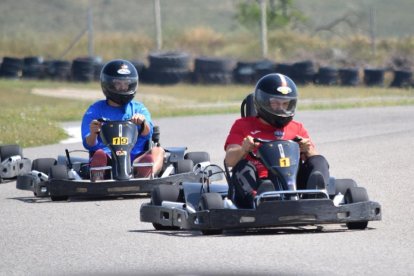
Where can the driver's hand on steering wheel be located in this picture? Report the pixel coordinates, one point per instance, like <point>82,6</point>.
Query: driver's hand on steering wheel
<point>306,147</point>
<point>138,119</point>
<point>248,144</point>
<point>95,127</point>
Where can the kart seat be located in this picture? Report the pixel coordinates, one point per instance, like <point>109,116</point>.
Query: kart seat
<point>247,108</point>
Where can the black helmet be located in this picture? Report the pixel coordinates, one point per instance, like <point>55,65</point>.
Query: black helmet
<point>275,98</point>
<point>116,73</point>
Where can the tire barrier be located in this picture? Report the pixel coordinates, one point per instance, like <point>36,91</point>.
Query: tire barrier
<point>82,69</point>
<point>212,70</point>
<point>402,79</point>
<point>348,76</point>
<point>303,72</point>
<point>373,77</point>
<point>11,68</point>
<point>167,68</point>
<point>327,76</point>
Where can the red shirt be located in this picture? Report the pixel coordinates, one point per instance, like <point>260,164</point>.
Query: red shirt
<point>254,127</point>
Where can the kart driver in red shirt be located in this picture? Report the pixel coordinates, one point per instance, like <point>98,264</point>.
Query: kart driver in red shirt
<point>275,99</point>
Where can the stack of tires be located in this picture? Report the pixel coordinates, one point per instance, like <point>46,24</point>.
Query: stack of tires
<point>374,76</point>
<point>57,70</point>
<point>303,72</point>
<point>213,70</point>
<point>11,68</point>
<point>167,68</point>
<point>245,72</point>
<point>402,79</point>
<point>83,69</point>
<point>32,68</point>
<point>327,76</point>
<point>249,72</point>
<point>348,76</point>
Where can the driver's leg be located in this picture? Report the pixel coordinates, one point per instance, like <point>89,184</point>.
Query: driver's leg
<point>313,173</point>
<point>244,180</point>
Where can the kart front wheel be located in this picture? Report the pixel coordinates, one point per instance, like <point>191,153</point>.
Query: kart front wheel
<point>165,193</point>
<point>342,185</point>
<point>43,164</point>
<point>211,201</point>
<point>59,172</point>
<point>355,195</point>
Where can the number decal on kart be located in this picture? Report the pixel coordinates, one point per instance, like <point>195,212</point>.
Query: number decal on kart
<point>120,141</point>
<point>284,162</point>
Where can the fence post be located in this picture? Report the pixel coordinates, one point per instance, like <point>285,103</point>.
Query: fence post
<point>263,27</point>
<point>157,16</point>
<point>90,30</point>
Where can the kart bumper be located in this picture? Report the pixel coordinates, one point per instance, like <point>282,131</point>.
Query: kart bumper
<point>108,187</point>
<point>268,214</point>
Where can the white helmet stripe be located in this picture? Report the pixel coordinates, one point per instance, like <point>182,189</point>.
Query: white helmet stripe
<point>282,79</point>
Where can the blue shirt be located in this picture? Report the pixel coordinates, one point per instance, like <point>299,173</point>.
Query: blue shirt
<point>101,109</point>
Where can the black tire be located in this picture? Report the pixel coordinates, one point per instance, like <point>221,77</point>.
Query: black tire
<point>171,60</point>
<point>342,185</point>
<point>354,195</point>
<point>211,201</point>
<point>7,151</point>
<point>374,77</point>
<point>43,164</point>
<point>349,76</point>
<point>25,182</point>
<point>59,172</point>
<point>198,156</point>
<point>184,166</point>
<point>167,193</point>
<point>402,79</point>
<point>327,76</point>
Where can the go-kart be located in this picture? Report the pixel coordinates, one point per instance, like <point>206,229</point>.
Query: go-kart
<point>12,162</point>
<point>70,176</point>
<point>209,205</point>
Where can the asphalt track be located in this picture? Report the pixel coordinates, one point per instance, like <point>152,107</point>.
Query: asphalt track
<point>104,236</point>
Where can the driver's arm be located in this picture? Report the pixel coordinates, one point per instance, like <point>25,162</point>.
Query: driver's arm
<point>94,129</point>
<point>235,152</point>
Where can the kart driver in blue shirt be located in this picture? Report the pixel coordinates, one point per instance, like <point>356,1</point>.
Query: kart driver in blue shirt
<point>119,82</point>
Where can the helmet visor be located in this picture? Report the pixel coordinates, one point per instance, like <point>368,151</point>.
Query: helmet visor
<point>276,104</point>
<point>122,86</point>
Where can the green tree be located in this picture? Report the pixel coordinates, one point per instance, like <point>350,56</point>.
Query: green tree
<point>280,14</point>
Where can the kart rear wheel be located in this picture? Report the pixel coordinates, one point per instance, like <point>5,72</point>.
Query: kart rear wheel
<point>59,172</point>
<point>354,195</point>
<point>184,166</point>
<point>7,151</point>
<point>43,164</point>
<point>198,156</point>
<point>167,193</point>
<point>211,201</point>
<point>342,185</point>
